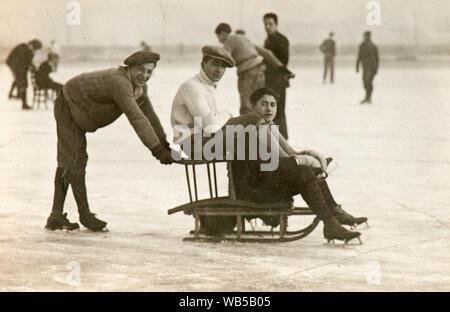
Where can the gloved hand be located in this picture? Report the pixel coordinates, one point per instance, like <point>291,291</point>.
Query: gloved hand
<point>162,154</point>
<point>318,156</point>
<point>306,160</point>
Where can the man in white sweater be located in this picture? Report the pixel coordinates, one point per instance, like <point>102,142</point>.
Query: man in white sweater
<point>196,105</point>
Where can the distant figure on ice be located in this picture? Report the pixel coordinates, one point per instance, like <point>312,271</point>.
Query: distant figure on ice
<point>91,101</point>
<point>276,80</point>
<point>368,56</point>
<point>54,52</point>
<point>42,76</point>
<point>249,61</point>
<point>145,47</point>
<point>328,48</point>
<point>19,61</point>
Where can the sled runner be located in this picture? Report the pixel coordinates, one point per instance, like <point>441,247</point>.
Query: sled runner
<point>229,207</point>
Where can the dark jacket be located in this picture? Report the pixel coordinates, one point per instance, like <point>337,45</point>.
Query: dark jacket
<point>279,45</point>
<point>98,98</point>
<point>368,56</point>
<point>42,75</point>
<point>328,48</point>
<point>20,58</point>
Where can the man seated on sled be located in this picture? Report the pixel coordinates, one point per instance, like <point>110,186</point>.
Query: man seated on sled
<point>296,173</point>
<point>196,102</point>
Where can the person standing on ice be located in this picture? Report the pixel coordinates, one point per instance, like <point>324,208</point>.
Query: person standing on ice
<point>91,101</point>
<point>328,48</point>
<point>368,56</point>
<point>276,80</point>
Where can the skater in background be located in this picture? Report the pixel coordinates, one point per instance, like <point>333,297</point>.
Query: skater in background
<point>20,61</point>
<point>91,101</point>
<point>42,76</point>
<point>249,60</point>
<point>53,55</point>
<point>276,80</point>
<point>328,48</point>
<point>368,56</point>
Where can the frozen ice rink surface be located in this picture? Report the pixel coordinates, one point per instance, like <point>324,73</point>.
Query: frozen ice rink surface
<point>393,166</point>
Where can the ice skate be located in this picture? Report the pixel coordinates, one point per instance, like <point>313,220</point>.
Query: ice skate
<point>333,230</point>
<point>89,221</point>
<point>347,219</point>
<point>59,221</point>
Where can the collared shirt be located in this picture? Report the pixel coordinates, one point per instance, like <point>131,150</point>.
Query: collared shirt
<point>98,98</point>
<point>197,97</point>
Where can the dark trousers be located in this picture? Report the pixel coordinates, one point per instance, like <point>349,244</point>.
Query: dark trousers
<point>367,77</point>
<point>280,118</point>
<point>328,64</point>
<point>72,159</point>
<point>21,83</point>
<point>277,83</point>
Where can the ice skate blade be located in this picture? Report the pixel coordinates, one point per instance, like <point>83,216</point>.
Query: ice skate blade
<point>346,242</point>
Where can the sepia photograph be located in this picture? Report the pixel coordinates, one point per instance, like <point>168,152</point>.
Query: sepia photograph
<point>197,146</point>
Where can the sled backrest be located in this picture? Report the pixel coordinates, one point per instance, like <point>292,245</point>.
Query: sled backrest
<point>191,166</point>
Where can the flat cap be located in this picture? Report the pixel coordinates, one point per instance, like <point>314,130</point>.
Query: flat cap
<point>218,53</point>
<point>140,57</point>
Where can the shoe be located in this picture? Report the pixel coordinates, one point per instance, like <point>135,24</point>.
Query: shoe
<point>332,230</point>
<point>345,218</point>
<point>364,101</point>
<point>25,107</point>
<point>59,221</point>
<point>89,221</point>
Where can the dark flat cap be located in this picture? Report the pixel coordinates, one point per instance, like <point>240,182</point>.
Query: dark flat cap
<point>218,53</point>
<point>140,57</point>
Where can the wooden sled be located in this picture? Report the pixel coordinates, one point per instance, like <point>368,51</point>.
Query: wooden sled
<point>229,206</point>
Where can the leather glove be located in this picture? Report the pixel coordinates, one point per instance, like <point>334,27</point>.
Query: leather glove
<point>306,160</point>
<point>164,143</point>
<point>162,154</point>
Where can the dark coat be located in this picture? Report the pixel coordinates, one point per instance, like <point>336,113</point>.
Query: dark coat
<point>98,98</point>
<point>279,45</point>
<point>368,56</point>
<point>42,75</point>
<point>20,58</point>
<point>328,48</point>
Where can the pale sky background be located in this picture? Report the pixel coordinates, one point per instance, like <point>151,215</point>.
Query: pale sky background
<point>192,22</point>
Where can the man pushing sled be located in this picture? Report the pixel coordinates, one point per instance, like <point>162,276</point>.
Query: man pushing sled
<point>91,101</point>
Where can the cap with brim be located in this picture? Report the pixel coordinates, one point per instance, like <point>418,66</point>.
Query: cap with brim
<point>140,57</point>
<point>218,53</point>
